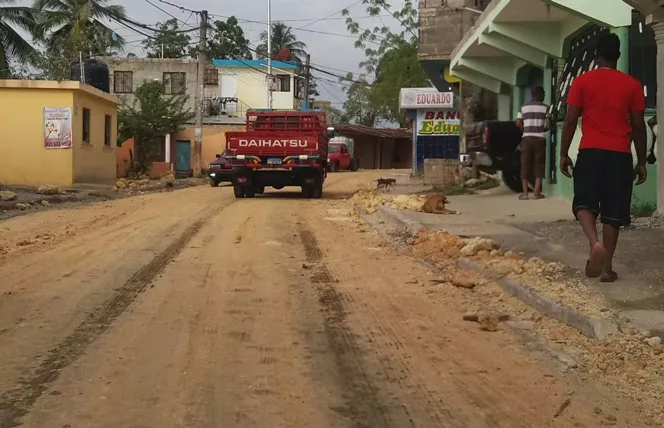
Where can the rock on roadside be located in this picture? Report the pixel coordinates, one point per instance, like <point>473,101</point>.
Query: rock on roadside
<point>6,195</point>
<point>49,189</point>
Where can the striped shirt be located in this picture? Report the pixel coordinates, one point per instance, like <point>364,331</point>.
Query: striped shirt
<point>534,115</point>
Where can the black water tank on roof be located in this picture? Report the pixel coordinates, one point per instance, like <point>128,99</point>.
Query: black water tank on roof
<point>96,74</point>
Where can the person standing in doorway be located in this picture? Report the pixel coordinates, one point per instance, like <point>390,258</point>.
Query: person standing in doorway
<point>612,105</point>
<point>534,121</point>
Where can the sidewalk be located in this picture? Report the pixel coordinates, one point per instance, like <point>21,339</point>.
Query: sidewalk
<point>546,229</point>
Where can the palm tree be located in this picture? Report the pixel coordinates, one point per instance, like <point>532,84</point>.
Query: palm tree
<point>12,45</point>
<point>282,38</point>
<point>77,25</point>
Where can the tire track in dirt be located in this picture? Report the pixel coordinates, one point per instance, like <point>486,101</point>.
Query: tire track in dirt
<point>363,402</point>
<point>16,403</point>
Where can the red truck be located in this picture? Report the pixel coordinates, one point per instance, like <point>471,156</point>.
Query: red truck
<point>340,154</point>
<point>279,149</point>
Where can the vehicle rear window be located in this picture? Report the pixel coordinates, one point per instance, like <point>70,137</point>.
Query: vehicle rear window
<point>334,148</point>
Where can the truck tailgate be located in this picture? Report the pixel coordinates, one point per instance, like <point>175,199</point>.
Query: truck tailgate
<point>269,144</point>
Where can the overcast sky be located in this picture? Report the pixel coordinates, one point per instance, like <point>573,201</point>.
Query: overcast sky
<point>335,53</point>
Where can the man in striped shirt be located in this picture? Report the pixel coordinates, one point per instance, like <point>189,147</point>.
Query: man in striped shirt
<point>534,121</point>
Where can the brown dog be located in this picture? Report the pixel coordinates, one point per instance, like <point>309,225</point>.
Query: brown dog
<point>385,182</point>
<point>436,205</point>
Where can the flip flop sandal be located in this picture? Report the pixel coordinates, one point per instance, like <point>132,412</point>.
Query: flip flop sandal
<point>539,197</point>
<point>595,262</point>
<point>523,198</point>
<point>611,277</point>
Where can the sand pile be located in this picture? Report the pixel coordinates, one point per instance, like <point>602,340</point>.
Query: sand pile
<point>371,200</point>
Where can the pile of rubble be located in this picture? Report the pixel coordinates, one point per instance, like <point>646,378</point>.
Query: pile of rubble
<point>549,278</point>
<point>371,200</point>
<point>143,182</point>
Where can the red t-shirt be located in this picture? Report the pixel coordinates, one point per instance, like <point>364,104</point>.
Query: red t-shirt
<point>606,97</point>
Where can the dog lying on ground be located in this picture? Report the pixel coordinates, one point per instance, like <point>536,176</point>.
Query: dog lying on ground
<point>385,182</point>
<point>436,205</point>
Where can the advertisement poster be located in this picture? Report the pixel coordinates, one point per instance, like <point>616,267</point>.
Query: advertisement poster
<point>57,128</point>
<point>438,122</point>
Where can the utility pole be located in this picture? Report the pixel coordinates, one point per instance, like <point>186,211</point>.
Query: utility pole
<point>202,62</point>
<point>307,80</point>
<point>269,55</point>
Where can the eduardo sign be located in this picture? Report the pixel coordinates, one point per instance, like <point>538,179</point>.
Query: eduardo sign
<point>438,122</point>
<point>418,98</point>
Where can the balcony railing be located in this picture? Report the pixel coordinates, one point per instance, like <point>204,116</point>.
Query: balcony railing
<point>226,107</point>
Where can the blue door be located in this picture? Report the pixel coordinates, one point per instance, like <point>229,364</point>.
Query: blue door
<point>182,157</point>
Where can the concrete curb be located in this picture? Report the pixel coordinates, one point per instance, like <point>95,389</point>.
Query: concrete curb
<point>400,220</point>
<point>588,326</point>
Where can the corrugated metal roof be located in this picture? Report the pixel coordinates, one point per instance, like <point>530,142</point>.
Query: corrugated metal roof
<point>362,130</point>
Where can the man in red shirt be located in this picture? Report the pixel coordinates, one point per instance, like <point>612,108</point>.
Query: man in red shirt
<point>611,105</point>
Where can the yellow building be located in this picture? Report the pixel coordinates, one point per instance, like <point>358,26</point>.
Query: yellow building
<point>56,133</point>
<point>247,81</point>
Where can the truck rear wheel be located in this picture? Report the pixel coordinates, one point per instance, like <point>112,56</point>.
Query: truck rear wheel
<point>238,191</point>
<point>317,192</point>
<point>334,167</point>
<point>249,192</point>
<point>512,180</point>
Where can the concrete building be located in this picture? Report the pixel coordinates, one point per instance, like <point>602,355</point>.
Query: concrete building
<point>232,87</point>
<point>59,133</point>
<point>515,44</point>
<point>247,81</point>
<point>653,10</point>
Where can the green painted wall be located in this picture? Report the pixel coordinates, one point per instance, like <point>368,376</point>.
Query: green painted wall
<point>644,194</point>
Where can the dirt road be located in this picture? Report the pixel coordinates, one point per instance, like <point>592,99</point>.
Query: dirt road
<point>193,309</point>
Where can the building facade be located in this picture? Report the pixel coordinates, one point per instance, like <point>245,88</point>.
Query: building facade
<point>62,133</point>
<point>231,88</point>
<point>516,44</point>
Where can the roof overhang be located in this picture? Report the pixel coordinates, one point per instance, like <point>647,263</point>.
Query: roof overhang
<point>653,9</point>
<point>511,34</point>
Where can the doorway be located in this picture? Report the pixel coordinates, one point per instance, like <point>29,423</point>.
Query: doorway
<point>183,158</point>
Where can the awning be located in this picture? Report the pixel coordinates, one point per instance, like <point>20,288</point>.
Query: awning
<point>355,131</point>
<point>513,33</point>
<point>653,9</point>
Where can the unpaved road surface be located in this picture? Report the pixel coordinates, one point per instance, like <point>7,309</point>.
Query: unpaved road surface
<point>194,309</point>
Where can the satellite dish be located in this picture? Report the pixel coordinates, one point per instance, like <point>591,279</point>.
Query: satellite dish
<point>283,55</point>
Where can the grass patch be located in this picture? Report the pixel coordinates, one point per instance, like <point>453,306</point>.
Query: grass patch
<point>646,209</point>
<point>457,190</point>
<point>490,183</point>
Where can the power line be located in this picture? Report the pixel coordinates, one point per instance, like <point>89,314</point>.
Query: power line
<point>170,14</point>
<point>331,15</point>
<point>179,7</point>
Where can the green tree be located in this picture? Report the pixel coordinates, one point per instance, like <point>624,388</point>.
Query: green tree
<point>283,37</point>
<point>398,68</point>
<point>390,56</point>
<point>227,41</point>
<point>13,47</point>
<point>150,116</point>
<point>70,27</point>
<point>169,40</point>
<point>358,107</point>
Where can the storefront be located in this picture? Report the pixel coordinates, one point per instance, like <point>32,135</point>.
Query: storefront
<point>436,124</point>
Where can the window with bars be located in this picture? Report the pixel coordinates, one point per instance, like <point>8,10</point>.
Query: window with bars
<point>86,126</point>
<point>283,82</point>
<point>643,57</point>
<point>211,76</point>
<point>175,83</point>
<point>123,82</point>
<point>107,130</point>
<point>581,58</point>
